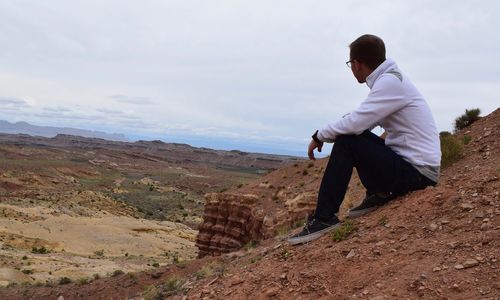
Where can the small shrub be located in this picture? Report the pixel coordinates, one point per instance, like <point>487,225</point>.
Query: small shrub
<point>99,253</point>
<point>341,233</point>
<point>466,139</point>
<point>451,150</point>
<point>250,245</point>
<point>256,259</point>
<point>275,197</point>
<point>175,258</point>
<point>96,276</point>
<point>284,254</point>
<point>27,271</point>
<point>25,257</point>
<point>117,273</point>
<point>283,230</point>
<point>470,116</point>
<point>83,281</point>
<point>304,173</point>
<point>299,223</point>
<point>203,272</point>
<point>64,280</point>
<point>302,184</point>
<point>240,185</point>
<point>172,286</point>
<point>41,250</point>
<point>383,220</point>
<point>155,264</point>
<point>310,165</point>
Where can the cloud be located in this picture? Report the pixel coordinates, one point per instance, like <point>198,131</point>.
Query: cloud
<point>131,99</point>
<point>7,103</point>
<point>57,109</point>
<point>110,111</point>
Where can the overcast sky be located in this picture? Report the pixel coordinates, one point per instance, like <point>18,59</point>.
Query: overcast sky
<point>253,75</point>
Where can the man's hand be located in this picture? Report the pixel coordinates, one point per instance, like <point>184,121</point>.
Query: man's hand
<point>313,145</point>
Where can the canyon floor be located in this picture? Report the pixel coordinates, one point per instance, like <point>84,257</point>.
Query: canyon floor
<point>76,209</point>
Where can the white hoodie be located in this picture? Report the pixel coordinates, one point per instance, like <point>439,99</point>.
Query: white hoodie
<point>396,105</point>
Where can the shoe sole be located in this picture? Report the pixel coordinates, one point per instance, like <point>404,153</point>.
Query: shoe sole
<point>353,214</point>
<point>311,237</point>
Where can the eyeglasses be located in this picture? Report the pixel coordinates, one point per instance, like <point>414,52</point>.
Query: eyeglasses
<point>349,63</point>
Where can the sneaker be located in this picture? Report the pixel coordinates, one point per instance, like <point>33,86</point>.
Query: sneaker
<point>313,229</point>
<point>370,203</point>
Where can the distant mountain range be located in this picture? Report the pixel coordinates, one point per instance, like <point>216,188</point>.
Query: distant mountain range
<point>47,131</point>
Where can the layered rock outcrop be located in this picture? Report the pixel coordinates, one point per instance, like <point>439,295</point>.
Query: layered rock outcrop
<point>230,221</point>
<point>233,220</point>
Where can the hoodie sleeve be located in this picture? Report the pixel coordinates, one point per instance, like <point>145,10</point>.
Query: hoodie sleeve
<point>386,97</point>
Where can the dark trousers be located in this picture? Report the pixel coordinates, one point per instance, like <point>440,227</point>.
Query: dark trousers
<point>379,168</point>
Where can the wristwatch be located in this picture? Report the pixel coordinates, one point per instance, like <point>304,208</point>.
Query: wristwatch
<point>315,137</point>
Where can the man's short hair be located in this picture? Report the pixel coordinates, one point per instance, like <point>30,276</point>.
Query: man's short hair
<point>368,49</point>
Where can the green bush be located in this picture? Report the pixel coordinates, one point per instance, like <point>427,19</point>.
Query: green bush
<point>41,250</point>
<point>451,149</point>
<point>342,232</point>
<point>172,286</point>
<point>64,280</point>
<point>470,116</point>
<point>117,273</point>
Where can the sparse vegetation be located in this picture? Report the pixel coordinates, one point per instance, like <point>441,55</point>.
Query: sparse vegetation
<point>210,270</point>
<point>283,230</point>
<point>64,280</point>
<point>256,258</point>
<point>99,253</point>
<point>466,139</point>
<point>172,286</point>
<point>284,254</point>
<point>341,233</point>
<point>250,245</point>
<point>27,271</point>
<point>40,250</point>
<point>451,149</point>
<point>470,116</point>
<point>299,223</point>
<point>117,273</point>
<point>304,173</point>
<point>383,220</point>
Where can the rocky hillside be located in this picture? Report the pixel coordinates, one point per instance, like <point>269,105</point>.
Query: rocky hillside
<point>438,243</point>
<point>156,151</point>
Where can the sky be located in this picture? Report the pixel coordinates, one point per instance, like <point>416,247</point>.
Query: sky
<point>248,75</point>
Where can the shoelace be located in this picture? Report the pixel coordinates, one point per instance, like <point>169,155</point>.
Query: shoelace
<point>309,223</point>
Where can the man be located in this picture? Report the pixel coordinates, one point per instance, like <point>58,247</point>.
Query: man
<point>408,159</point>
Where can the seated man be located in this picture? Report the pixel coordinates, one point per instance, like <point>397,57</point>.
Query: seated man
<point>408,159</point>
